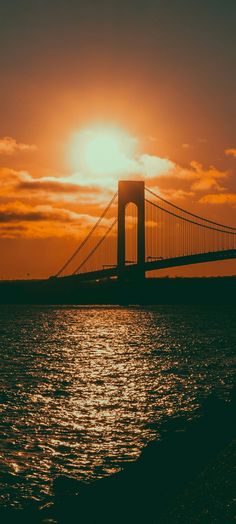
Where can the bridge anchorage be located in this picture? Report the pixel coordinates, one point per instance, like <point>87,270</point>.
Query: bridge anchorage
<point>146,233</point>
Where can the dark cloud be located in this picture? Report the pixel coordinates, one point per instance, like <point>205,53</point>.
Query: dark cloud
<point>56,187</point>
<point>14,216</point>
<point>20,214</point>
<point>13,227</point>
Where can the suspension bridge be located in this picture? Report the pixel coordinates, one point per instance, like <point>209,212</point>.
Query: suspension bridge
<point>139,231</point>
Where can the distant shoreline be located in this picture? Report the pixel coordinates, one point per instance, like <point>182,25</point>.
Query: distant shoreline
<point>151,291</point>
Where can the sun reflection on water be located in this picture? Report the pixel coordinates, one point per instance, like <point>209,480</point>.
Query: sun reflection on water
<point>84,389</point>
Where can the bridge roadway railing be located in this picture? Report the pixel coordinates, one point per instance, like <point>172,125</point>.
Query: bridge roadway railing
<point>131,269</point>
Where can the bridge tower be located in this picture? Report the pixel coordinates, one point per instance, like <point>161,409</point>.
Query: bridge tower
<point>131,192</point>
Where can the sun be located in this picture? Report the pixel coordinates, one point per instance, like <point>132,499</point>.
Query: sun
<point>101,153</point>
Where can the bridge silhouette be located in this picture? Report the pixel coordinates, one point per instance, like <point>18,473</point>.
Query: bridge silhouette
<point>139,231</point>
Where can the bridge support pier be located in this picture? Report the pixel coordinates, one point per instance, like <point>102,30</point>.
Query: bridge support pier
<point>131,192</point>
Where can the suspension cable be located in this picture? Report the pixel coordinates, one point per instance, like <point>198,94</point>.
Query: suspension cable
<point>189,220</point>
<point>96,246</point>
<point>78,249</point>
<point>188,212</point>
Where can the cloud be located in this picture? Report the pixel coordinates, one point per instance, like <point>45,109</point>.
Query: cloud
<point>201,179</point>
<point>79,187</point>
<point>8,177</point>
<point>53,186</point>
<point>42,221</point>
<point>141,167</point>
<point>153,166</point>
<point>222,198</point>
<point>18,211</point>
<point>79,184</point>
<point>231,151</point>
<point>9,146</point>
<point>174,194</point>
<point>84,186</point>
<point>21,184</point>
<point>67,205</point>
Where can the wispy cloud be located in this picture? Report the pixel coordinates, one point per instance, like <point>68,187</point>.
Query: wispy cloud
<point>174,194</point>
<point>17,211</point>
<point>54,185</point>
<point>23,185</point>
<point>155,170</point>
<point>9,146</point>
<point>151,166</point>
<point>41,221</point>
<point>67,205</point>
<point>200,178</point>
<point>141,166</point>
<point>231,151</point>
<point>220,198</point>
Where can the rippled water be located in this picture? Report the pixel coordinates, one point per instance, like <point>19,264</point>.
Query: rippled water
<point>84,389</point>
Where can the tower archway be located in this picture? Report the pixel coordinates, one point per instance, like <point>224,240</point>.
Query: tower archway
<point>131,192</point>
<point>131,234</point>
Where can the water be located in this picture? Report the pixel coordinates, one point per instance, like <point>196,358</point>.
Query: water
<point>82,390</point>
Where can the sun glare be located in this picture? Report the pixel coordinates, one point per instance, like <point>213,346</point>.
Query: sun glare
<point>101,154</point>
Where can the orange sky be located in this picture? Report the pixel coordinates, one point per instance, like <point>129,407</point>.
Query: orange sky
<point>165,79</point>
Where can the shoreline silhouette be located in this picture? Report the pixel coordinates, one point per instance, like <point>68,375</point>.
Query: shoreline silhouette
<point>149,291</point>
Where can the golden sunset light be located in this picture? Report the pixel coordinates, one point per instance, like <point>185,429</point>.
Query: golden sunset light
<point>101,155</point>
<point>114,108</point>
<point>118,261</point>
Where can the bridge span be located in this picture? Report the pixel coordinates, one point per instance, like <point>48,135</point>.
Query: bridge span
<point>134,269</point>
<point>136,234</point>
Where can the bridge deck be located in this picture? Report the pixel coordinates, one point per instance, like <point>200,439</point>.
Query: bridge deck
<point>156,265</point>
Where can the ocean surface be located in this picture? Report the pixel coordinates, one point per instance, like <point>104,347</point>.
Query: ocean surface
<point>84,389</point>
